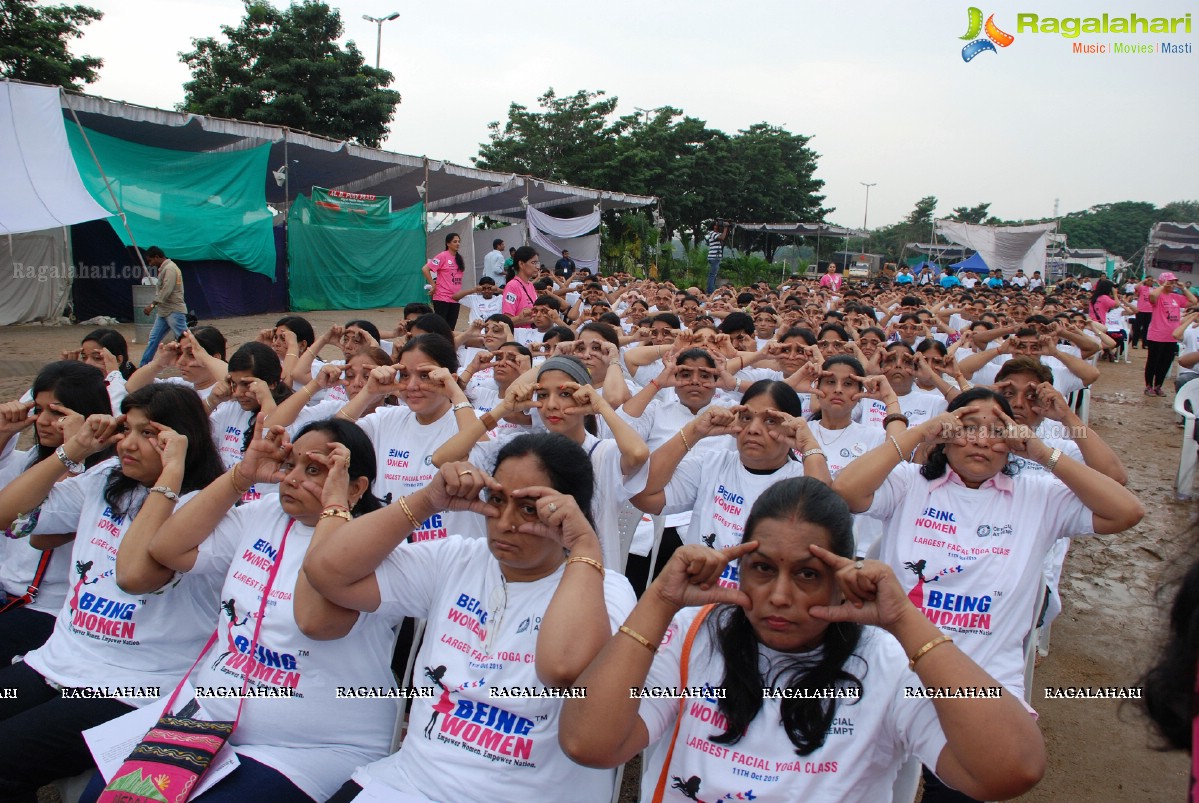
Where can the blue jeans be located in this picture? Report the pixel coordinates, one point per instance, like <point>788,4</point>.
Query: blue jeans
<point>175,321</point>
<point>713,267</point>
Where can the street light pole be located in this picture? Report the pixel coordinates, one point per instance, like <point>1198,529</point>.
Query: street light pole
<point>379,37</point>
<point>865,212</point>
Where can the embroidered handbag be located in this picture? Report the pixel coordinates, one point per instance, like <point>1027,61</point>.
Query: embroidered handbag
<point>173,755</point>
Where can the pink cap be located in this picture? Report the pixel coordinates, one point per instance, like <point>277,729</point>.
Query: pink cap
<point>1167,277</point>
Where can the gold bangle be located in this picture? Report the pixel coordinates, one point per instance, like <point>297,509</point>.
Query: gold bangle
<point>599,567</point>
<point>306,390</point>
<point>927,648</point>
<point>335,513</point>
<point>684,437</point>
<point>408,512</point>
<point>290,354</point>
<point>637,637</point>
<point>233,475</point>
<point>342,415</point>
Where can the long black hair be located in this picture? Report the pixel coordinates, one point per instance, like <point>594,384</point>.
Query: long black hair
<point>114,341</point>
<point>362,456</point>
<point>457,254</point>
<point>262,363</point>
<point>79,387</point>
<point>935,465</point>
<point>565,462</point>
<point>179,408</point>
<point>806,720</point>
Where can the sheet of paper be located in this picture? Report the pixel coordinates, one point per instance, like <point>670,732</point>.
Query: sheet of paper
<point>112,742</point>
<point>375,792</point>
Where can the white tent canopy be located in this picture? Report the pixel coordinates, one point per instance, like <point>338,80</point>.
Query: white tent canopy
<point>42,188</point>
<point>556,235</point>
<point>1007,248</point>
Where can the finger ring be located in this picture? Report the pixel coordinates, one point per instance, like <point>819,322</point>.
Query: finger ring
<point>551,507</point>
<point>347,462</point>
<point>857,564</point>
<point>463,473</point>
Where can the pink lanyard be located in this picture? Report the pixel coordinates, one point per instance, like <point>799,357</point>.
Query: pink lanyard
<point>266,595</point>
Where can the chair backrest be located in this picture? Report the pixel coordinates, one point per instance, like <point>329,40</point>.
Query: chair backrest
<point>1186,401</point>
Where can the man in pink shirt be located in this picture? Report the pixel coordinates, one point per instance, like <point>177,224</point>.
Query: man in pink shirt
<point>831,279</point>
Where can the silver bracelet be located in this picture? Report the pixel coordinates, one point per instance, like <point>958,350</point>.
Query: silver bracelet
<point>165,491</point>
<point>461,406</point>
<point>812,453</point>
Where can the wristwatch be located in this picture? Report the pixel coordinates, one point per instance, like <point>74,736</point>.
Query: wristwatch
<point>72,466</point>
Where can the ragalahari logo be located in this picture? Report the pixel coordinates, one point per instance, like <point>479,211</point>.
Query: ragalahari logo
<point>994,36</point>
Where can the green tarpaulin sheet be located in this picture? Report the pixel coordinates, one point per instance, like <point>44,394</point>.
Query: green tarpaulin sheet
<point>342,260</point>
<point>193,205</point>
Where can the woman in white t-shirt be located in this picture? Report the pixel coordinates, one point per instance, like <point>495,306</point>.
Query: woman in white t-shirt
<point>122,648</point>
<point>406,436</point>
<point>349,379</point>
<point>564,401</point>
<point>967,538</point>
<point>304,646</point>
<point>799,692</point>
<point>199,356</point>
<point>488,730</point>
<point>719,487</point>
<point>64,394</point>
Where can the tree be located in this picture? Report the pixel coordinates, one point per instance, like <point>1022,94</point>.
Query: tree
<point>570,139</point>
<point>34,44</point>
<point>285,67</point>
<point>916,227</point>
<point>972,214</point>
<point>1122,228</point>
<point>1179,212</point>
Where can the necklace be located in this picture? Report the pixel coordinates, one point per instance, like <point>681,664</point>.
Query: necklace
<point>830,444</point>
<point>497,606</point>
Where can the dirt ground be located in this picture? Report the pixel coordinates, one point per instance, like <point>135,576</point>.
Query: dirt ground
<point>1112,618</point>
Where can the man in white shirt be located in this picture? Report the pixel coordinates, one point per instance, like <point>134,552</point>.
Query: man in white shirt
<point>1020,280</point>
<point>493,263</point>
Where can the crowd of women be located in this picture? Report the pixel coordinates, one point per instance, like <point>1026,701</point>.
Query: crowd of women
<point>783,541</point>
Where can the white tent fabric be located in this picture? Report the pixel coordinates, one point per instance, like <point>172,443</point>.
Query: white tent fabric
<point>42,188</point>
<point>513,237</point>
<point>553,234</point>
<point>563,228</point>
<point>1007,248</point>
<point>583,250</point>
<point>39,283</point>
<point>435,244</point>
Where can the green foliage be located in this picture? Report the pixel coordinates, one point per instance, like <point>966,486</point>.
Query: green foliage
<point>973,214</point>
<point>1122,228</point>
<point>917,227</point>
<point>763,174</point>
<point>1180,212</point>
<point>285,67</point>
<point>35,40</point>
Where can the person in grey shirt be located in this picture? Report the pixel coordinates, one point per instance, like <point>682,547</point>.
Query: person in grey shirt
<point>168,301</point>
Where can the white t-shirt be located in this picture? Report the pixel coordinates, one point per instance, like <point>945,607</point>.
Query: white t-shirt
<point>104,636</point>
<point>971,558</point>
<point>19,559</point>
<point>463,743</point>
<point>615,519</point>
<point>719,491</point>
<point>336,392</point>
<point>282,733</point>
<point>320,411</point>
<point>528,334</point>
<point>483,308</point>
<point>229,423</point>
<point>968,281</point>
<point>867,742</point>
<point>178,380</point>
<point>404,450</point>
<point>918,405</point>
<point>1064,380</point>
<point>841,447</point>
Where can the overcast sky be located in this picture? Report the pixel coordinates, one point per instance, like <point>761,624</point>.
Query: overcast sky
<point>880,86</point>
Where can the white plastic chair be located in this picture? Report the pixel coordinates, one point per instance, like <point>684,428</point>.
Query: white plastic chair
<point>1186,404</point>
<point>1083,407</point>
<point>1030,644</point>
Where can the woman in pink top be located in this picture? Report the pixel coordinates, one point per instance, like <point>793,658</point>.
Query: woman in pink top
<point>832,280</point>
<point>1140,324</point>
<point>1168,301</point>
<point>519,292</point>
<point>445,272</point>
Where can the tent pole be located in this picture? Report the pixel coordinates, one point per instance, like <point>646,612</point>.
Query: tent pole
<point>286,216</point>
<point>107,183</point>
